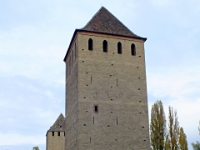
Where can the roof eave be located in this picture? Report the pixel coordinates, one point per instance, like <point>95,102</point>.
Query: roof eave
<point>135,37</point>
<point>74,35</point>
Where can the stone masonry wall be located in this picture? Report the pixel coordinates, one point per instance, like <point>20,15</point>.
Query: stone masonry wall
<point>55,142</point>
<point>71,107</point>
<point>116,85</point>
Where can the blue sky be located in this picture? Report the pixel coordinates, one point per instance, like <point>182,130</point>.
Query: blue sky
<point>34,37</point>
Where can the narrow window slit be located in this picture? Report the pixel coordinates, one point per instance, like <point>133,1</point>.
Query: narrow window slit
<point>133,50</point>
<point>105,46</point>
<point>90,44</point>
<point>96,108</point>
<point>119,48</point>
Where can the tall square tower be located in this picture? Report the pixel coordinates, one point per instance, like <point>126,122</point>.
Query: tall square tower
<point>106,92</point>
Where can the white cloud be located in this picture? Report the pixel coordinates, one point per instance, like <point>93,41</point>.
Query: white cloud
<point>178,82</point>
<point>15,139</point>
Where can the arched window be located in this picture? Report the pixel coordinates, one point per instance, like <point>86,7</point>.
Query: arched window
<point>119,48</point>
<point>133,50</point>
<point>105,46</point>
<point>90,44</point>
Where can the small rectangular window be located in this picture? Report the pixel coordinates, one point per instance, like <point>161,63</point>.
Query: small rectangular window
<point>96,108</point>
<point>52,133</point>
<point>58,133</point>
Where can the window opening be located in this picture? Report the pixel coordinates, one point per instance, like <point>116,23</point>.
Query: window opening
<point>90,44</point>
<point>96,108</point>
<point>133,50</point>
<point>119,48</point>
<point>52,133</point>
<point>105,46</point>
<point>58,133</point>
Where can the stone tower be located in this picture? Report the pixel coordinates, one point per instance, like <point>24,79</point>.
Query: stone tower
<point>55,137</point>
<point>106,93</point>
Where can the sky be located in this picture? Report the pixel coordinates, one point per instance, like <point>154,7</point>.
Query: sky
<point>35,35</point>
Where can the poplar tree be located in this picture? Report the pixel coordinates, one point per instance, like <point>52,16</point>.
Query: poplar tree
<point>173,129</point>
<point>182,140</point>
<point>157,126</point>
<point>167,142</point>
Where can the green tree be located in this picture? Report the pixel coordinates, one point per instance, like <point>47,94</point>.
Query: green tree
<point>173,129</point>
<point>167,142</point>
<point>36,148</point>
<point>157,126</point>
<point>196,146</point>
<point>182,140</point>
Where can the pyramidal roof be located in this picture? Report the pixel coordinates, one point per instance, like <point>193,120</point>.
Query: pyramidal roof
<point>105,22</point>
<point>59,124</point>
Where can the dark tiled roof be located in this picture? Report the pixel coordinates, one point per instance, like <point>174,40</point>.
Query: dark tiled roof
<point>59,124</point>
<point>104,22</point>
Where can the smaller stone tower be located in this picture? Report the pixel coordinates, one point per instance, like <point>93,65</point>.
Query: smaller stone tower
<point>55,137</point>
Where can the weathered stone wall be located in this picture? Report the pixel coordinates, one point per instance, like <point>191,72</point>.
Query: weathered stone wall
<point>55,142</point>
<point>116,84</point>
<point>71,127</point>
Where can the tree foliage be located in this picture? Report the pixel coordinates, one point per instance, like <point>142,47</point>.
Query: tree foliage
<point>196,146</point>
<point>167,142</point>
<point>36,148</point>
<point>182,140</point>
<point>173,129</point>
<point>163,138</point>
<point>157,126</point>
